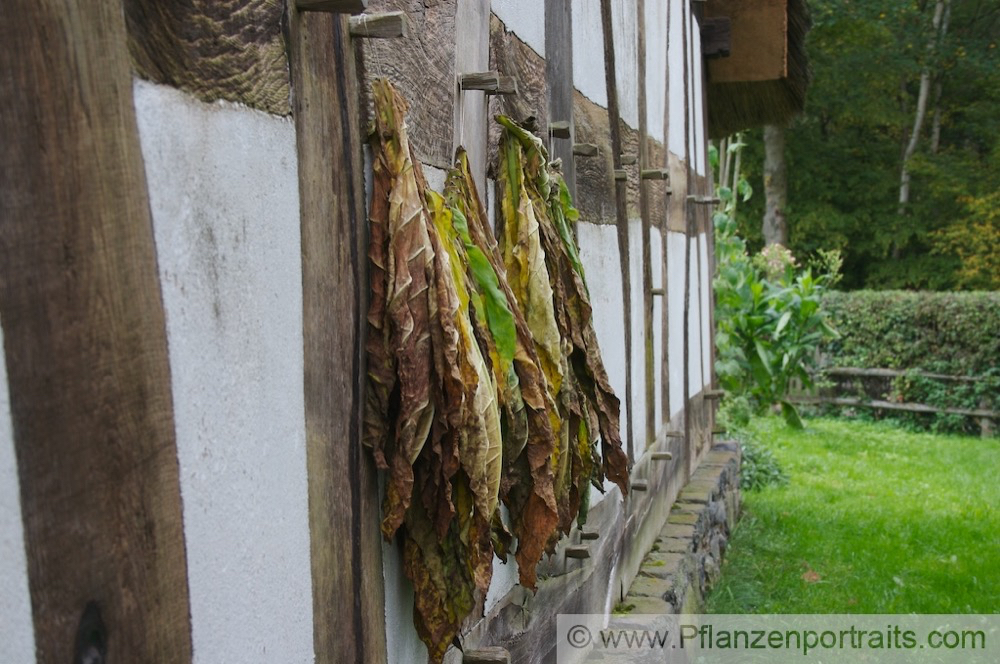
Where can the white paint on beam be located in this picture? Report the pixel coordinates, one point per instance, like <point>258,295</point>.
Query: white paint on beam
<point>698,100</point>
<point>223,190</point>
<point>18,642</point>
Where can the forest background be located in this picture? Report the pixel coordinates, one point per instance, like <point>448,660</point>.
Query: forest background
<point>896,159</point>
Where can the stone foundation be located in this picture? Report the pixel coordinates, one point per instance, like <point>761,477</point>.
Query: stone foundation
<point>685,559</point>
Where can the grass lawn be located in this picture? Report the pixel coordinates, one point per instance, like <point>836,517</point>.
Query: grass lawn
<point>874,519</point>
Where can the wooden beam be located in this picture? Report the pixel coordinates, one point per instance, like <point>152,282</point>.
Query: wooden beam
<point>716,37</point>
<point>379,26</point>
<point>491,655</point>
<point>621,175</point>
<point>629,159</point>
<point>621,210</point>
<point>559,129</point>
<point>559,80</point>
<point>490,82</point>
<point>85,342</point>
<point>654,174</point>
<point>585,150</point>
<point>332,6</point>
<point>640,485</point>
<point>577,552</point>
<point>589,536</point>
<point>348,590</point>
<point>892,405</point>
<point>662,456</point>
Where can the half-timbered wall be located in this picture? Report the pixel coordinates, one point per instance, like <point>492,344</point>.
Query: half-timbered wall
<point>223,222</point>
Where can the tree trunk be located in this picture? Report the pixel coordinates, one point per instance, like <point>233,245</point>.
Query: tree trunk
<point>921,111</point>
<point>775,186</point>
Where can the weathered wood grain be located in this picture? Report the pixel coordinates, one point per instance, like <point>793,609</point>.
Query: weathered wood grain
<point>645,215</point>
<point>621,211</point>
<point>559,76</point>
<point>513,57</point>
<point>348,593</point>
<point>85,340</point>
<point>379,26</point>
<point>213,49</point>
<point>422,67</point>
<point>332,6</point>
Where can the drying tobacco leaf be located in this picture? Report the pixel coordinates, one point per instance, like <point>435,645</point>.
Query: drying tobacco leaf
<point>537,208</point>
<point>527,483</point>
<point>433,420</point>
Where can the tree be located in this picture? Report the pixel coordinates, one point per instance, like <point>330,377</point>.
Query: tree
<point>775,226</point>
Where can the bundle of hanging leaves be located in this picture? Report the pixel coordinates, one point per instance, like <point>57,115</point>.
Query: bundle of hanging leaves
<point>485,385</point>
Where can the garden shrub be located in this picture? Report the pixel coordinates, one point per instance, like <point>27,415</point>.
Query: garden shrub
<point>948,333</point>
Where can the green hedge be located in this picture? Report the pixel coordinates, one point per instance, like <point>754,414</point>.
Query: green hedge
<point>949,333</point>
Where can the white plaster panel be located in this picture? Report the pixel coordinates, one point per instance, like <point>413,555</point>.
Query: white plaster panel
<point>638,362</point>
<point>656,246</point>
<point>525,18</point>
<point>18,642</point>
<point>655,26</point>
<point>601,264</point>
<point>624,21</point>
<point>588,51</point>
<point>698,100</point>
<point>706,311</point>
<point>675,99</point>
<point>694,323</point>
<point>675,302</point>
<point>223,189</point>
<point>692,88</point>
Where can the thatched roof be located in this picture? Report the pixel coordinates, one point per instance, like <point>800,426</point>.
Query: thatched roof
<point>764,79</point>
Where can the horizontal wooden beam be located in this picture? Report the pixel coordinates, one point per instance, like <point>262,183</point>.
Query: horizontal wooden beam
<point>656,292</point>
<point>587,535</point>
<point>661,456</point>
<point>640,485</point>
<point>559,129</point>
<point>654,174</point>
<point>714,394</point>
<point>897,373</point>
<point>585,150</point>
<point>332,6</point>
<point>491,655</point>
<point>674,434</point>
<point>704,200</point>
<point>490,82</point>
<point>620,175</point>
<point>578,552</point>
<point>379,26</point>
<point>890,405</point>
<point>628,159</point>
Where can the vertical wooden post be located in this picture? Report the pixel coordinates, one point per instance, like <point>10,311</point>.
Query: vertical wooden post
<point>85,342</point>
<point>649,363</point>
<point>559,75</point>
<point>664,236</point>
<point>621,212</point>
<point>348,600</point>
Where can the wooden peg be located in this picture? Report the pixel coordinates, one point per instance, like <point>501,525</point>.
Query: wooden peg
<point>620,175</point>
<point>714,394</point>
<point>379,26</point>
<point>490,655</point>
<point>578,552</point>
<point>559,129</point>
<point>490,82</point>
<point>704,200</point>
<point>585,150</point>
<point>628,159</point>
<point>640,485</point>
<point>588,535</point>
<point>332,6</point>
<point>674,434</point>
<point>655,174</point>
<point>662,456</point>
<point>719,430</point>
<point>656,292</point>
